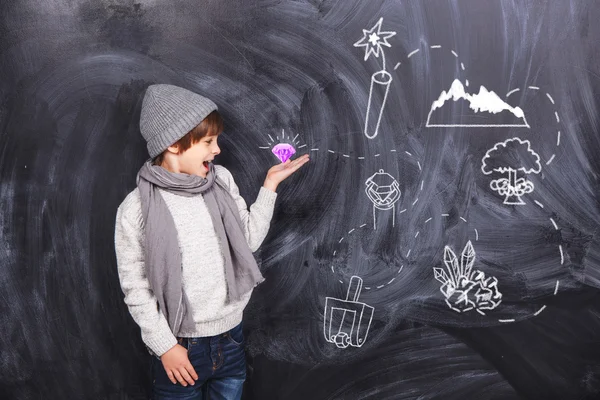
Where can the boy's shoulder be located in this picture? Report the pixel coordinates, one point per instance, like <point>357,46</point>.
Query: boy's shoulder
<point>131,206</point>
<point>224,174</point>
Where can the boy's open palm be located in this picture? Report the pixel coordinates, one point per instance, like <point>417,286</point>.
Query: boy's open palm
<point>178,367</point>
<point>277,173</point>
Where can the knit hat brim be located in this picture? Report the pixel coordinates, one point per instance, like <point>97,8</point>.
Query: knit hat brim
<point>169,113</point>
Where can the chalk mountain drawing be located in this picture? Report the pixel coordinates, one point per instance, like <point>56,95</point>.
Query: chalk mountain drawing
<point>485,106</point>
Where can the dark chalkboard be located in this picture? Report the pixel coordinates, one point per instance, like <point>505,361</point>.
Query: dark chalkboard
<point>443,242</point>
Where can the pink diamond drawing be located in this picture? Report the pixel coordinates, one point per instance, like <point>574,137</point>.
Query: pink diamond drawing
<point>283,151</point>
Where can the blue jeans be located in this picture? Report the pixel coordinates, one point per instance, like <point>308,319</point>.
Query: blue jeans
<point>220,363</point>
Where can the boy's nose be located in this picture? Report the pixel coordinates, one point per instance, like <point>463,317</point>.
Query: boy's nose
<point>216,150</point>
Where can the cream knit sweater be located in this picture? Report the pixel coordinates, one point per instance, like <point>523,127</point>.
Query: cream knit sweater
<point>203,272</point>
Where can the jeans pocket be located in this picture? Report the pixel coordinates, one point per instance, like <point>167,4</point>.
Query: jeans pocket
<point>236,335</point>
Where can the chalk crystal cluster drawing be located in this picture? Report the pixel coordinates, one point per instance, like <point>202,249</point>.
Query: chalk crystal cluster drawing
<point>384,191</point>
<point>347,322</point>
<point>466,289</point>
<point>373,39</point>
<point>509,157</point>
<point>485,103</point>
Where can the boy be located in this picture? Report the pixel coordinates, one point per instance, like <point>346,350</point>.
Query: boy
<point>184,240</point>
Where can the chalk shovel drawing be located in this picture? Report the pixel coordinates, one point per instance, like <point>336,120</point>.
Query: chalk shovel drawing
<point>466,289</point>
<point>509,157</point>
<point>347,322</point>
<point>373,39</point>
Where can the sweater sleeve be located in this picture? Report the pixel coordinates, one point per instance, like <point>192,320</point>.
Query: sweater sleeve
<point>140,300</point>
<point>257,220</point>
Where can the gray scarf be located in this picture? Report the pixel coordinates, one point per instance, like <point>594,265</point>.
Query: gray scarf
<point>162,254</point>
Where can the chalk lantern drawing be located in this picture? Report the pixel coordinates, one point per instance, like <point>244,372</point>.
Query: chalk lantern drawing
<point>485,104</point>
<point>372,41</point>
<point>383,191</point>
<point>509,157</point>
<point>347,322</point>
<point>466,289</point>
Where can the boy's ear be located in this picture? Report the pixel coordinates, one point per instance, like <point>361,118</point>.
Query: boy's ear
<point>174,148</point>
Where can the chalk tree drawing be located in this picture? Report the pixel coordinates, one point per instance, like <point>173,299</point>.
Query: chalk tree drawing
<point>466,289</point>
<point>485,104</point>
<point>383,191</point>
<point>347,322</point>
<point>509,157</point>
<point>373,39</point>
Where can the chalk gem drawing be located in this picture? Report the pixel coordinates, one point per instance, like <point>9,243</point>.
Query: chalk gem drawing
<point>283,151</point>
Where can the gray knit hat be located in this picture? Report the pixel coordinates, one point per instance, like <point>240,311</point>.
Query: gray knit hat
<point>169,113</point>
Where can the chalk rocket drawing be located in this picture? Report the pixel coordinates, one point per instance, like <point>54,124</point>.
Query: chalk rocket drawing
<point>284,149</point>
<point>488,109</point>
<point>509,157</point>
<point>372,41</point>
<point>347,322</point>
<point>466,289</point>
<point>383,191</point>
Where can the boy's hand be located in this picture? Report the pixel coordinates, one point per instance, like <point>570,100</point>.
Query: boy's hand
<point>178,367</point>
<point>279,172</point>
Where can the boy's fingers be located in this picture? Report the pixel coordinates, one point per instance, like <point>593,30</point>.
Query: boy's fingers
<point>178,377</point>
<point>171,376</point>
<point>186,375</point>
<point>190,369</point>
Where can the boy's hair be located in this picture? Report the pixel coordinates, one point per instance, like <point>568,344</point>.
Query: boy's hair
<point>212,125</point>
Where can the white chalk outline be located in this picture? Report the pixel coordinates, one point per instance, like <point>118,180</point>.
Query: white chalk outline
<point>400,212</point>
<point>372,41</point>
<point>338,335</point>
<point>462,275</point>
<point>373,195</point>
<point>484,101</point>
<point>515,186</point>
<point>551,99</point>
<point>557,281</point>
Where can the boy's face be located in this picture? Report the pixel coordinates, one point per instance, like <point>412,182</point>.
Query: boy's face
<point>194,161</point>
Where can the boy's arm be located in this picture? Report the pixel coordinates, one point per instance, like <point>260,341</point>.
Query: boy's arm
<point>140,299</point>
<point>256,222</point>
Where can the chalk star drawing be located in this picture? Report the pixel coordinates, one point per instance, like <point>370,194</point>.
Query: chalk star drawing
<point>373,39</point>
<point>466,289</point>
<point>347,321</point>
<point>486,102</point>
<point>282,147</point>
<point>509,157</point>
<point>384,191</point>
